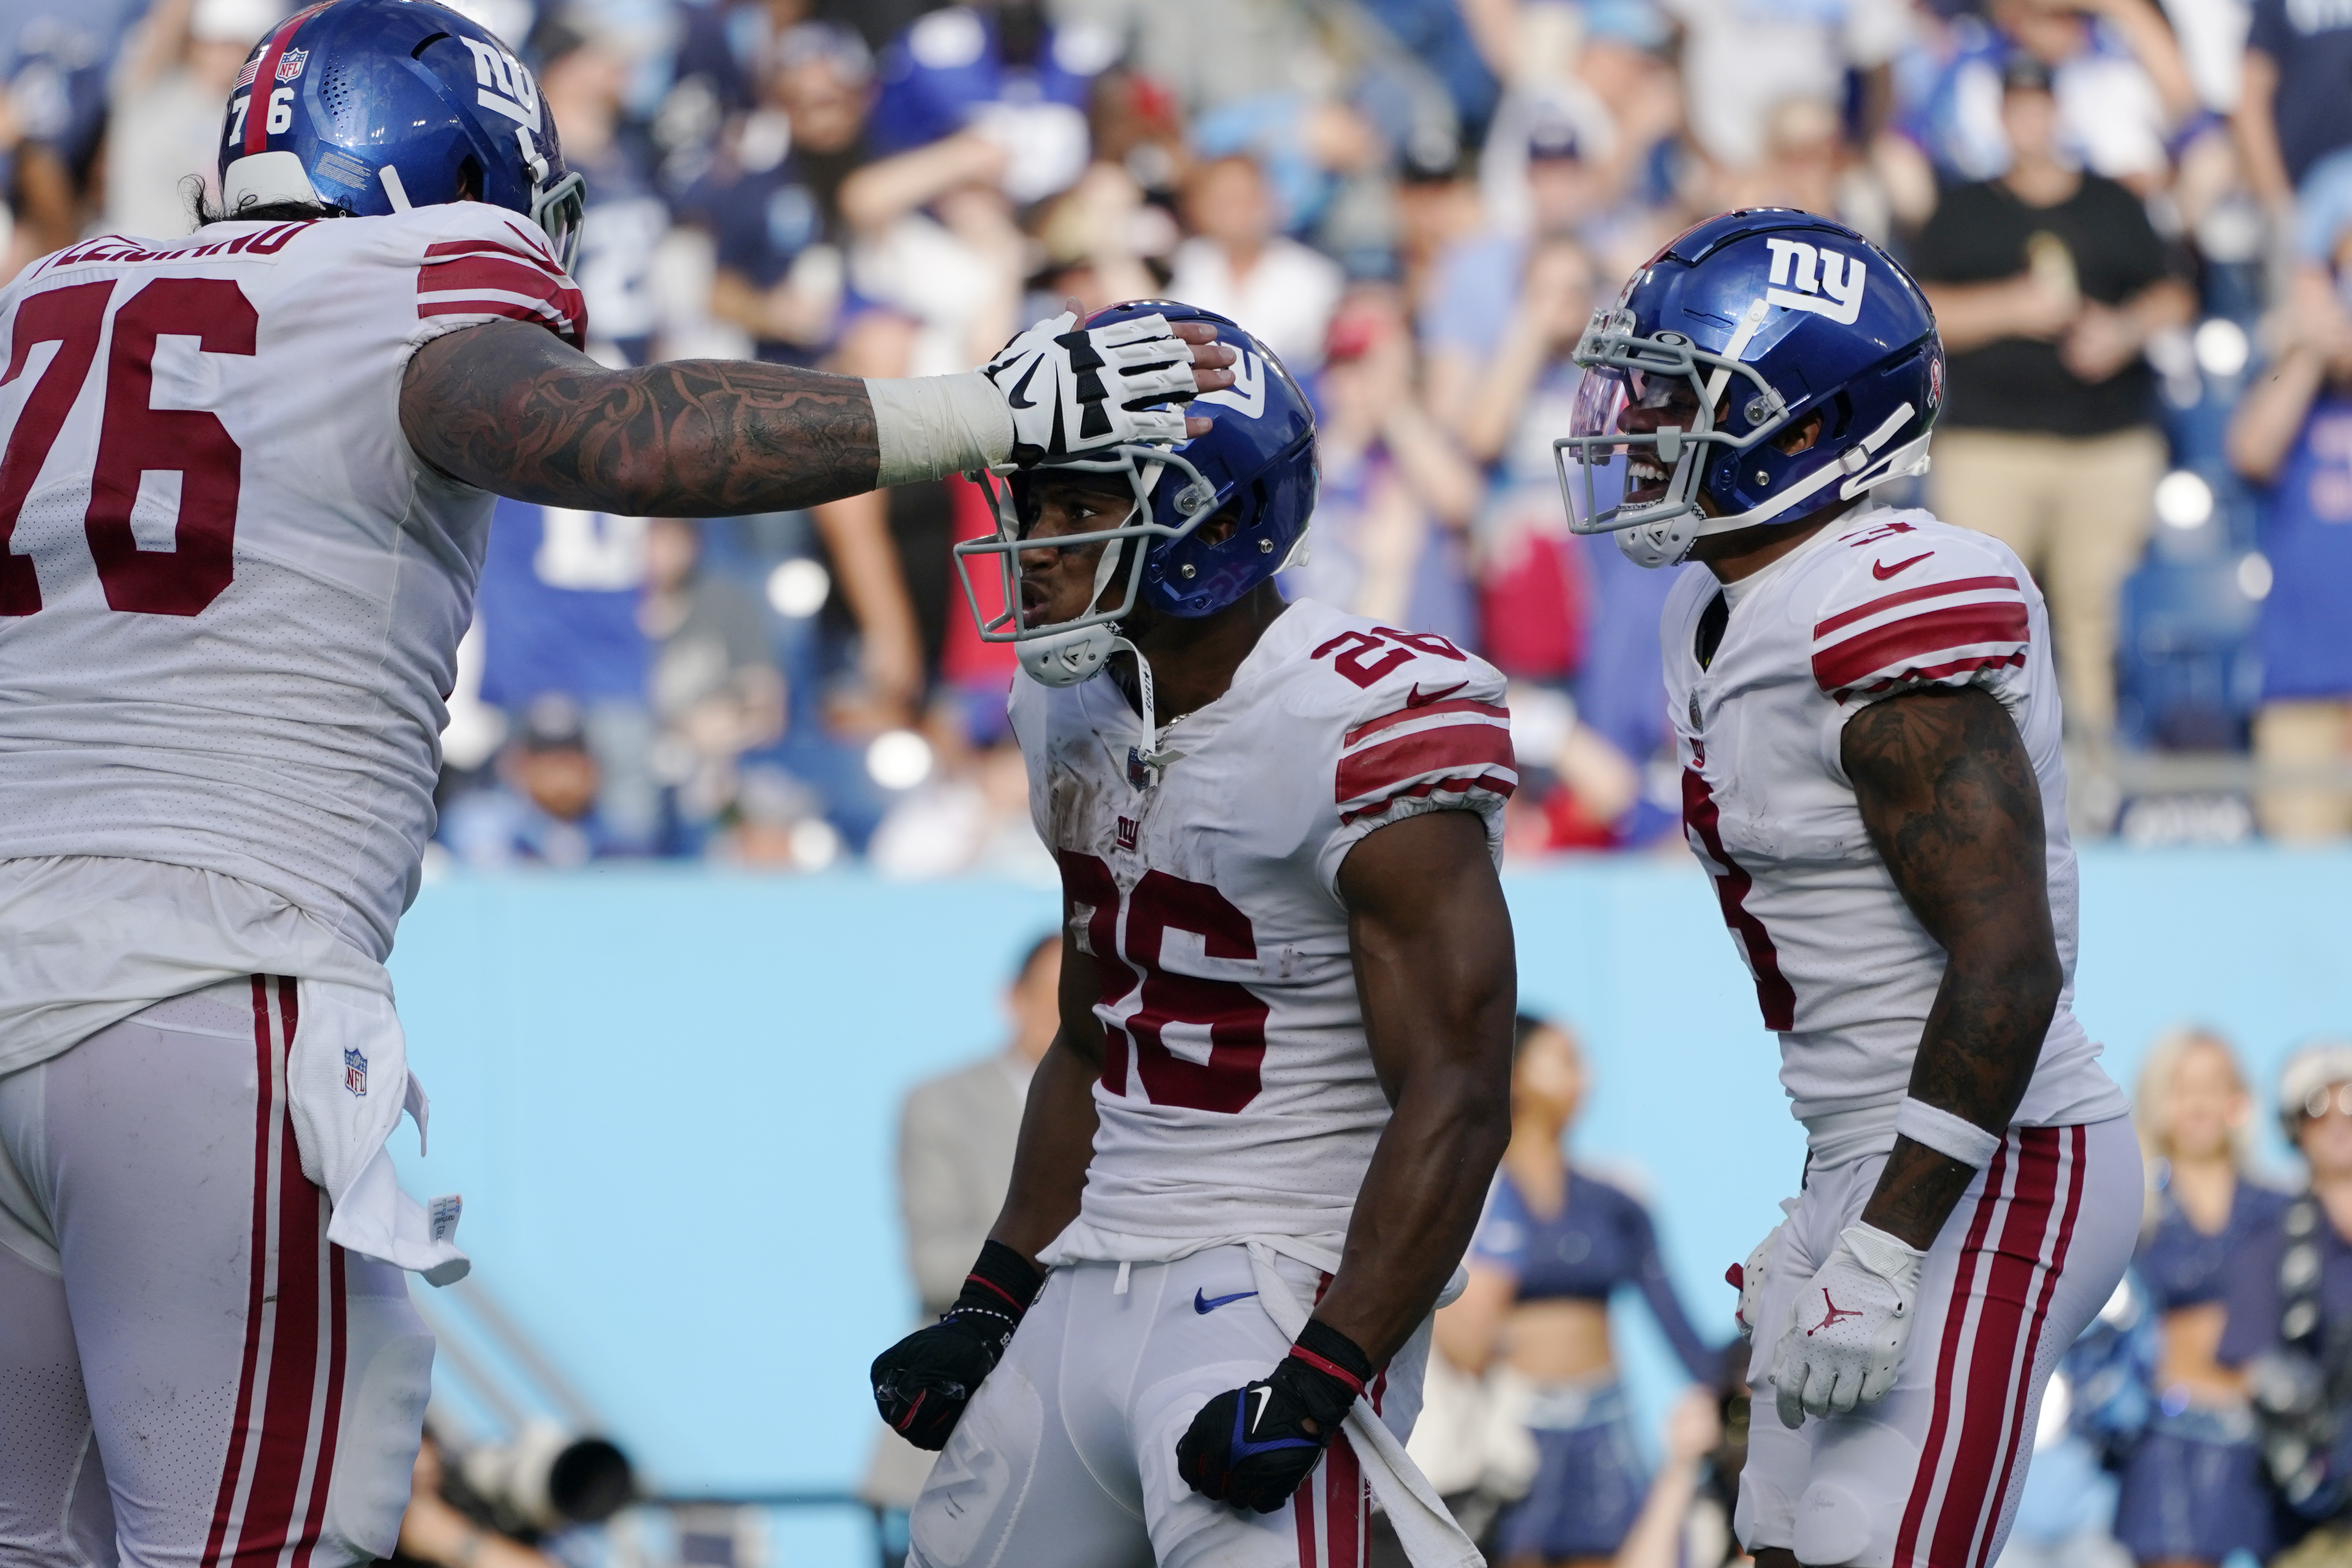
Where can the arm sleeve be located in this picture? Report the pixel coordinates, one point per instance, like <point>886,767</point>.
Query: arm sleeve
<point>1698,1358</point>
<point>1429,734</point>
<point>486,265</point>
<point>1953,613</point>
<point>2251,1296</point>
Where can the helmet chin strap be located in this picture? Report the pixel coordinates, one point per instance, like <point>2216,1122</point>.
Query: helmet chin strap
<point>1071,658</point>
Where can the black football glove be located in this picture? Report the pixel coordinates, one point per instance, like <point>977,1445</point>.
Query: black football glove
<point>1250,1445</point>
<point>922,1383</point>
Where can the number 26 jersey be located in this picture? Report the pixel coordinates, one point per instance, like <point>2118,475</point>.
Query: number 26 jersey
<point>1873,606</point>
<point>230,594</point>
<point>1237,1095</point>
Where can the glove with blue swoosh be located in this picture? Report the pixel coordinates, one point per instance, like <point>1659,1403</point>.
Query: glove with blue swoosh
<point>1253,1446</point>
<point>1078,389</point>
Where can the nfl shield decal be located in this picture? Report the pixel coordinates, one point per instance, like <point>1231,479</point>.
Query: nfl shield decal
<point>354,1071</point>
<point>289,66</point>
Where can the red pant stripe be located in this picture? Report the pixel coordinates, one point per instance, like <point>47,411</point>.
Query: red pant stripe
<point>2078,1141</point>
<point>1343,1505</point>
<point>265,1107</point>
<point>2003,1304</point>
<point>1302,1513</point>
<point>1931,1452</point>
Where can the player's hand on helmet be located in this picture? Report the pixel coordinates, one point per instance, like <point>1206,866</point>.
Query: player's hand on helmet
<point>1252,1445</point>
<point>1076,389</point>
<point>1747,1278</point>
<point>922,1383</point>
<point>1844,1341</point>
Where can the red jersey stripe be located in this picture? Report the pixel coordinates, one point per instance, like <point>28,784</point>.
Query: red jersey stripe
<point>1917,637</point>
<point>1912,596</point>
<point>1492,783</point>
<point>257,1288</point>
<point>568,330</point>
<point>523,253</point>
<point>1456,747</point>
<point>1406,715</point>
<point>497,274</point>
<point>285,1429</point>
<point>1940,672</point>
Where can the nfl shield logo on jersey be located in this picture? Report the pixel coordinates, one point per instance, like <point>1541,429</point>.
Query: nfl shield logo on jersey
<point>354,1071</point>
<point>289,66</point>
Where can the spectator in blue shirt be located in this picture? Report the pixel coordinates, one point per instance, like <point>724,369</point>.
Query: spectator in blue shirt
<point>2293,433</point>
<point>775,215</point>
<point>542,810</point>
<point>583,77</point>
<point>1006,71</point>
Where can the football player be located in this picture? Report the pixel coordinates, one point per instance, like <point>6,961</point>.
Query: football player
<point>245,476</point>
<point>1257,1147</point>
<point>1868,726</point>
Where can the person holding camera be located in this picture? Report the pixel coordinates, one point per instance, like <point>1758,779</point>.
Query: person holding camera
<point>2290,1315</point>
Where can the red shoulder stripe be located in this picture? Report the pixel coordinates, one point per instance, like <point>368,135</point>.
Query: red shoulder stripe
<point>1911,595</point>
<point>1424,710</point>
<point>1463,785</point>
<point>1454,748</point>
<point>1939,632</point>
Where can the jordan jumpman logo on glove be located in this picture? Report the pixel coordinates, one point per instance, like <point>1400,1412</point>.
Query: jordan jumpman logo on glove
<point>1843,1345</point>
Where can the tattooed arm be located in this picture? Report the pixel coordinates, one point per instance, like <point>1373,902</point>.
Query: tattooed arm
<point>507,407</point>
<point>1951,804</point>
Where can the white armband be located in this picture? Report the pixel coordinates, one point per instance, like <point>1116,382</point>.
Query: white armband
<point>928,427</point>
<point>1932,1127</point>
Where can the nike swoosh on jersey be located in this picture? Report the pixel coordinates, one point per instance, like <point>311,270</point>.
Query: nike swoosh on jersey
<point>1414,699</point>
<point>1015,397</point>
<point>1882,571</point>
<point>1204,1304</point>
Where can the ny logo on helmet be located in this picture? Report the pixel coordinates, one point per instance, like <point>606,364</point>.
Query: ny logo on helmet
<point>1248,391</point>
<point>1823,281</point>
<point>504,83</point>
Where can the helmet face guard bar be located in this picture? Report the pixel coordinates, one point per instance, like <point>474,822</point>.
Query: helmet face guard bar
<point>559,210</point>
<point>1620,370</point>
<point>1140,465</point>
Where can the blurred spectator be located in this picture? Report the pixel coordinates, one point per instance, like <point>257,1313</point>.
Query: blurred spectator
<point>2048,284</point>
<point>2121,86</point>
<point>542,808</point>
<point>2292,109</point>
<point>583,75</point>
<point>1474,294</point>
<point>717,691</point>
<point>2192,1486</point>
<point>956,1138</point>
<point>2293,433</point>
<point>1238,263</point>
<point>1554,1244</point>
<point>1004,72</point>
<point>774,202</point>
<point>58,56</point>
<point>164,112</point>
<point>937,246</point>
<point>1396,496</point>
<point>2290,1309</point>
<point>1741,60</point>
<point>970,818</point>
<point>556,611</point>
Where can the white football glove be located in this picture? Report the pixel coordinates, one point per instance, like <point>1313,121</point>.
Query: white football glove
<point>1845,1341</point>
<point>1747,1278</point>
<point>1075,390</point>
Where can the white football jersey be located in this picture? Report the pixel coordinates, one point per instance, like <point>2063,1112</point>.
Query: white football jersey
<point>1237,1095</point>
<point>230,594</point>
<point>1879,604</point>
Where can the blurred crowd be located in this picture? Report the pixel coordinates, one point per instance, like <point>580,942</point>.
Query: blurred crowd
<point>2134,218</point>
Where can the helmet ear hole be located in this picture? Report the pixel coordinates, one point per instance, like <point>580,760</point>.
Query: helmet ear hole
<point>469,179</point>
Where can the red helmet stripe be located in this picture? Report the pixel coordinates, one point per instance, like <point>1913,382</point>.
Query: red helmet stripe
<point>265,81</point>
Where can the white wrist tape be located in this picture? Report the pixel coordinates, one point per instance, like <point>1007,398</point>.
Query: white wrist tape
<point>1932,1127</point>
<point>930,426</point>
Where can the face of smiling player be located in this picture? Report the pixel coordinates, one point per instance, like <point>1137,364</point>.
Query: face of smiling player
<point>1672,400</point>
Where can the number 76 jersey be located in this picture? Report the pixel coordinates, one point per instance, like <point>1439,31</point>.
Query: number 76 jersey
<point>1237,1095</point>
<point>230,594</point>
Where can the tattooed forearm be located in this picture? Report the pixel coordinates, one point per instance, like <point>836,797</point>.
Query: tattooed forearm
<point>1951,804</point>
<point>507,407</point>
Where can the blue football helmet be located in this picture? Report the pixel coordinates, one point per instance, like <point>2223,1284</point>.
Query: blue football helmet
<point>1258,458</point>
<point>378,106</point>
<point>1768,316</point>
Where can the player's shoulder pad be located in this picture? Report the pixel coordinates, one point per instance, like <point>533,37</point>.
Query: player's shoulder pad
<point>1902,600</point>
<point>1418,717</point>
<point>474,259</point>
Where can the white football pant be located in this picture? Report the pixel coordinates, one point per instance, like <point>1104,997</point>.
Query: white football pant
<point>1930,1476</point>
<point>1066,1457</point>
<point>191,1374</point>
